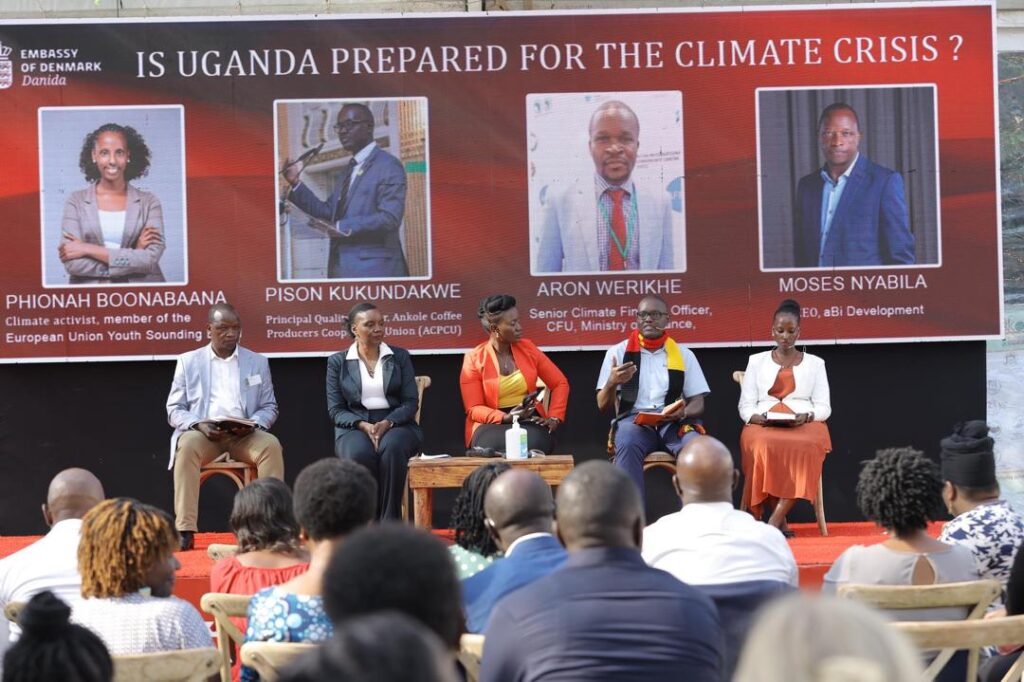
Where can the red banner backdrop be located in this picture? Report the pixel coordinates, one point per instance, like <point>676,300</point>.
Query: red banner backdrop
<point>490,118</point>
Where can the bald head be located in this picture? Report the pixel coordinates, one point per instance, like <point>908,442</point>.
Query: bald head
<point>704,471</point>
<point>518,503</point>
<point>599,506</point>
<point>72,493</point>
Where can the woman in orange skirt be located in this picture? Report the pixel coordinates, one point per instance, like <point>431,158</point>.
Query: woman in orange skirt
<point>784,403</point>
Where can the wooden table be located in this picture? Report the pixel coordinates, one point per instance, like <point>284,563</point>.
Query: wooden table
<point>427,474</point>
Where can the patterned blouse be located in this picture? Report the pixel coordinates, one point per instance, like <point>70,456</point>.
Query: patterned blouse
<point>992,532</point>
<point>279,616</point>
<point>469,563</point>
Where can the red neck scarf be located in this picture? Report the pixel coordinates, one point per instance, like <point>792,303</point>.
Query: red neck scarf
<point>638,340</point>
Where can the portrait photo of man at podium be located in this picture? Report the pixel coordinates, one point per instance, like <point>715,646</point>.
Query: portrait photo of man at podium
<point>373,222</point>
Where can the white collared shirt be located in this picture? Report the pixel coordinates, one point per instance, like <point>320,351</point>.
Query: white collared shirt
<point>225,387</point>
<point>653,382</point>
<point>711,543</point>
<point>524,538</point>
<point>360,156</point>
<point>373,395</point>
<point>50,563</point>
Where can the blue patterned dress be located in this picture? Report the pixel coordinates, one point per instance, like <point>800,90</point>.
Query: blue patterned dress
<point>992,532</point>
<point>279,616</point>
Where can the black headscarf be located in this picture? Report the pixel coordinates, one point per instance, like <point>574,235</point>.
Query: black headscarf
<point>967,457</point>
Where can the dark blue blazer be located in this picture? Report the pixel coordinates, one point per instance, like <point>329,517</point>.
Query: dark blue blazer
<point>371,217</point>
<point>605,615</point>
<point>871,225</point>
<point>532,559</point>
<point>345,392</point>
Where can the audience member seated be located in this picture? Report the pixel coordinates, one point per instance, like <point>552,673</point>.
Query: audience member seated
<point>995,668</point>
<point>372,401</point>
<point>782,460</point>
<point>739,562</point>
<point>984,523</point>
<point>900,490</point>
<point>474,548</point>
<point>333,497</point>
<point>269,550</point>
<point>394,567</point>
<point>387,646</point>
<point>804,638</point>
<point>520,513</point>
<point>500,373</point>
<point>51,648</point>
<point>51,563</point>
<point>650,372</point>
<point>126,558</point>
<point>709,542</point>
<point>605,615</point>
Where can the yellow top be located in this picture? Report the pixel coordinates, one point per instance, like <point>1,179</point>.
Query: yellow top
<point>511,389</point>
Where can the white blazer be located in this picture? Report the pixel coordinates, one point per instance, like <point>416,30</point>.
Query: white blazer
<point>810,395</point>
<point>569,233</point>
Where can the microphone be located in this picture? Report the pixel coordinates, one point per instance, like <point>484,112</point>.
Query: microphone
<point>305,157</point>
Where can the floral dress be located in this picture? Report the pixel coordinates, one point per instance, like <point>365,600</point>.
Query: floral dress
<point>279,616</point>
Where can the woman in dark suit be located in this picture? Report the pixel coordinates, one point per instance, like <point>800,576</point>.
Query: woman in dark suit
<point>372,400</point>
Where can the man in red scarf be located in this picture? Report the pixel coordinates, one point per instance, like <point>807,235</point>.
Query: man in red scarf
<point>649,372</point>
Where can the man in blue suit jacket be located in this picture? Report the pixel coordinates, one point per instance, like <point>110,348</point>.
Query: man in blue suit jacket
<point>604,615</point>
<point>366,207</point>
<point>519,513</point>
<point>219,380</point>
<point>851,212</point>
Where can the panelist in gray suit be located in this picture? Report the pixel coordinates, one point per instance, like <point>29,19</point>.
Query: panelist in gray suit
<point>608,223</point>
<point>220,380</point>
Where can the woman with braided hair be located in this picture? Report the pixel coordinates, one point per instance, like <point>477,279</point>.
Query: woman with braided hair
<point>901,491</point>
<point>474,548</point>
<point>52,648</point>
<point>126,558</point>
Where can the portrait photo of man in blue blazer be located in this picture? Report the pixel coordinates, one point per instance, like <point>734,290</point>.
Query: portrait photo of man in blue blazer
<point>851,212</point>
<point>366,207</point>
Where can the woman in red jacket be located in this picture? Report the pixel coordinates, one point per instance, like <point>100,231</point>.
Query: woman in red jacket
<point>499,373</point>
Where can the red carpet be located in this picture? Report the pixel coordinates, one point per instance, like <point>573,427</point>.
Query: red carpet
<point>814,554</point>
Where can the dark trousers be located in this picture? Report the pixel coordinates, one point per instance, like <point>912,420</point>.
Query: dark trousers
<point>634,442</point>
<point>388,465</point>
<point>493,436</point>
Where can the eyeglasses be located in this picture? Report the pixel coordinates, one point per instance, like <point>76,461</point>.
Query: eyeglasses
<point>654,315</point>
<point>348,125</point>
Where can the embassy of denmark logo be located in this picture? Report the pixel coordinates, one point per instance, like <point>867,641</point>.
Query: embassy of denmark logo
<point>6,67</point>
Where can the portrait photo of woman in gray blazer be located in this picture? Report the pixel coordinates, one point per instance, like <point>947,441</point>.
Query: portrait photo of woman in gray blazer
<point>111,231</point>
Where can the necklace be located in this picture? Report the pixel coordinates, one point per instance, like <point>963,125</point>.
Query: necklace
<point>506,363</point>
<point>783,362</point>
<point>371,367</point>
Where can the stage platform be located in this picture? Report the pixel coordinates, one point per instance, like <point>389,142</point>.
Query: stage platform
<point>814,554</point>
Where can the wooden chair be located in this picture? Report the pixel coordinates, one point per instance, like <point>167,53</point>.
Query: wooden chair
<point>471,652</point>
<point>971,635</point>
<point>975,595</point>
<point>819,501</point>
<point>240,473</point>
<point>223,607</point>
<point>218,551</point>
<point>269,659</point>
<point>12,610</point>
<point>181,665</point>
<point>422,384</point>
